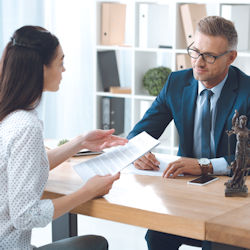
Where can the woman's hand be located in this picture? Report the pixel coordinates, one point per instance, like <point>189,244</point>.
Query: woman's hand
<point>95,140</point>
<point>98,139</point>
<point>98,185</point>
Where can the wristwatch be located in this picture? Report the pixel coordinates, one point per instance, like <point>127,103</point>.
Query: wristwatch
<point>204,165</point>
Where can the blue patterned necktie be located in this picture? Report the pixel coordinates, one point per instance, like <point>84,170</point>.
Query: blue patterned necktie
<point>206,121</point>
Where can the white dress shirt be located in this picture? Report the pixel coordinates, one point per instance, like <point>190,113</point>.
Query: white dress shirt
<point>24,172</point>
<point>219,164</point>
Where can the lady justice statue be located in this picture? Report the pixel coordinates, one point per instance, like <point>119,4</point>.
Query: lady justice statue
<point>241,165</point>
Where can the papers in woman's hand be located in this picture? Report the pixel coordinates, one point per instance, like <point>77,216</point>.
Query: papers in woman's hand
<point>117,158</point>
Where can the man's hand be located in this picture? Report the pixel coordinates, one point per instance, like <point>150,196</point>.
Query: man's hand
<point>147,162</point>
<point>182,166</point>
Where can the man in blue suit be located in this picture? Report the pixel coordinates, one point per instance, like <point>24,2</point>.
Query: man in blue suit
<point>202,102</point>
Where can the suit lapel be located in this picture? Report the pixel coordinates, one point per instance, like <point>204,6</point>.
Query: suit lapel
<point>224,105</point>
<point>188,112</point>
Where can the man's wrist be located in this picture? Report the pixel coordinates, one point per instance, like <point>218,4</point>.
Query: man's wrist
<point>210,168</point>
<point>205,166</point>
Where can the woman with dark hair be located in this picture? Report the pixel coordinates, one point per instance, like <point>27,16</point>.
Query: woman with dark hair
<point>32,62</point>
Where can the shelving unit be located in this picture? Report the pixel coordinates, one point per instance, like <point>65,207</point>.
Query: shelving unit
<point>136,57</point>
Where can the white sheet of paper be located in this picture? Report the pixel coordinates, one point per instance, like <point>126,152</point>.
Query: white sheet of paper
<point>164,160</point>
<point>117,158</point>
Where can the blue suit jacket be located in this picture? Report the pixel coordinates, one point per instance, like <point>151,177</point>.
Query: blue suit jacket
<point>177,100</point>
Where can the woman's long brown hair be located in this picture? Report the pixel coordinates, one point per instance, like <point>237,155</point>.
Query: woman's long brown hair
<point>21,68</point>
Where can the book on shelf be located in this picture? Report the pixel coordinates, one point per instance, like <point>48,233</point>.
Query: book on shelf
<point>108,69</point>
<point>183,61</point>
<point>191,14</point>
<point>119,90</point>
<point>113,114</point>
<point>165,46</point>
<point>113,23</point>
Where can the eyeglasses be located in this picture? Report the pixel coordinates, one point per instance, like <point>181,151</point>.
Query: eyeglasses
<point>205,56</point>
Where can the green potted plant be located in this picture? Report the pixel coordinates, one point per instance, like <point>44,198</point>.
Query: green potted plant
<point>61,142</point>
<point>155,78</point>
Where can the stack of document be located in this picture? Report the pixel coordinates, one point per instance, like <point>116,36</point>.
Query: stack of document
<point>117,158</point>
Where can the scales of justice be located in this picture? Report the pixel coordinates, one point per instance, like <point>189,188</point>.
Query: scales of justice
<point>241,165</point>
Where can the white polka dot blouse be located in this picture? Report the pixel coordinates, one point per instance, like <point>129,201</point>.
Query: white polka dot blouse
<point>24,170</point>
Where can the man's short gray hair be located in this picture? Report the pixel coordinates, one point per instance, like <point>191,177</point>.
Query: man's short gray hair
<point>219,26</point>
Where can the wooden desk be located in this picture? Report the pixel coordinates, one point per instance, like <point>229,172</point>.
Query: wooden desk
<point>232,227</point>
<point>166,205</point>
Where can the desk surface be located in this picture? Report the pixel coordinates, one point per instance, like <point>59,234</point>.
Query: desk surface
<point>232,227</point>
<point>167,205</point>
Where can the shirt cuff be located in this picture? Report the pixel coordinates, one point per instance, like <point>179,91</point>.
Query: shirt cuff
<point>220,166</point>
<point>44,215</point>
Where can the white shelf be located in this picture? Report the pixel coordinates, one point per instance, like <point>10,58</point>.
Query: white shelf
<point>156,50</point>
<point>144,97</point>
<point>103,47</point>
<point>136,57</point>
<point>137,97</point>
<point>108,94</point>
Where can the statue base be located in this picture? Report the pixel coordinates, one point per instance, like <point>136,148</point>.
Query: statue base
<point>236,192</point>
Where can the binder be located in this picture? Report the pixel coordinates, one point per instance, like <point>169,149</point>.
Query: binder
<point>154,26</point>
<point>108,69</point>
<point>113,23</point>
<point>143,25</point>
<point>191,15</point>
<point>183,61</point>
<point>113,114</point>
